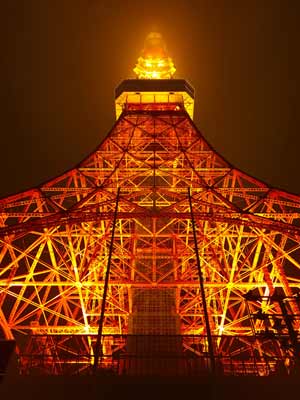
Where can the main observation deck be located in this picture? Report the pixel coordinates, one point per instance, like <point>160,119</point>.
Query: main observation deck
<point>146,91</point>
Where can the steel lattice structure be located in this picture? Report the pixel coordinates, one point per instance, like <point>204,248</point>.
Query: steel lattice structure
<point>154,210</point>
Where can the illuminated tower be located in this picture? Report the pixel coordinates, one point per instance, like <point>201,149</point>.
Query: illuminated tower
<point>154,255</point>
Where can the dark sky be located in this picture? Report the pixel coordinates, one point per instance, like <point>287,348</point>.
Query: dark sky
<point>60,62</point>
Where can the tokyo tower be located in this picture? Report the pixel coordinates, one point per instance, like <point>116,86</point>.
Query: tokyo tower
<point>154,255</point>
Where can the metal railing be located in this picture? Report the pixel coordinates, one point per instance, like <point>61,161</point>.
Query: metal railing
<point>161,355</point>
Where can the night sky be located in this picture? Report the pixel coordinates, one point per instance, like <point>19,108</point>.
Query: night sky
<point>60,62</point>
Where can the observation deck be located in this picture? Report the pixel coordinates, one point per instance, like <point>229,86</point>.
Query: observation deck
<point>155,91</point>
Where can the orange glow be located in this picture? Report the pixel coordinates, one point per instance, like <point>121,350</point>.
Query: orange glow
<point>133,233</point>
<point>154,63</point>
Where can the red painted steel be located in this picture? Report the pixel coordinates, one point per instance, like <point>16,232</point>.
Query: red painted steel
<point>55,240</point>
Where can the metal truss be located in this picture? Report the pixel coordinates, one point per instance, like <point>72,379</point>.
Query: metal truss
<point>59,241</point>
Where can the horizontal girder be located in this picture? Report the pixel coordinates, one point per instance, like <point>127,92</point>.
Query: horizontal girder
<point>264,220</point>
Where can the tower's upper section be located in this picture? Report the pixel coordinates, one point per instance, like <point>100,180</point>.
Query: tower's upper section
<point>154,62</point>
<point>155,88</point>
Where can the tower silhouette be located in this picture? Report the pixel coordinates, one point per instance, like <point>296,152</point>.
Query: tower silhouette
<point>154,255</point>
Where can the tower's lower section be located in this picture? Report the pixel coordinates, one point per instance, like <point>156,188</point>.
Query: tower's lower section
<point>154,256</point>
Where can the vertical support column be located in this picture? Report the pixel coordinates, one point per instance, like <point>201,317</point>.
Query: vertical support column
<point>288,319</point>
<point>102,313</point>
<point>201,281</point>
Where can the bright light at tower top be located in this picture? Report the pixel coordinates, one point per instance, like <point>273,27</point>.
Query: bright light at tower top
<point>154,62</point>
<point>153,88</point>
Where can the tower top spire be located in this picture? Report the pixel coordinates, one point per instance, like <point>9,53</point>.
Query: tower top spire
<point>154,62</point>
